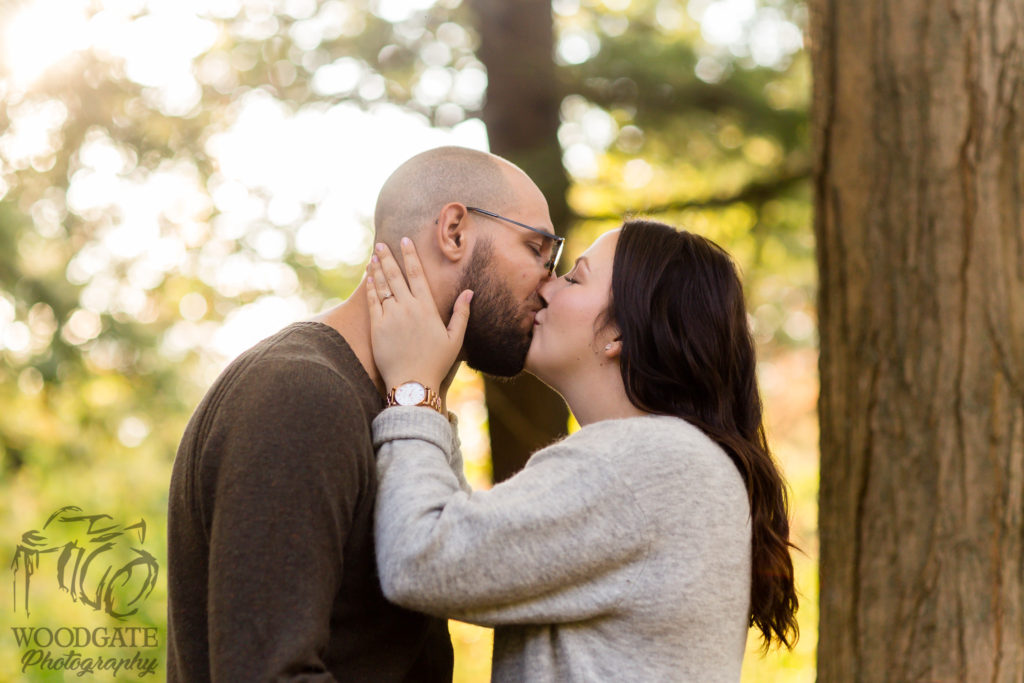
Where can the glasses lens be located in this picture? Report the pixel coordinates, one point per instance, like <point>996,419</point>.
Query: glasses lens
<point>553,263</point>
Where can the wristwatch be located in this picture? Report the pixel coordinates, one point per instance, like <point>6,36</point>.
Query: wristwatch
<point>414,394</point>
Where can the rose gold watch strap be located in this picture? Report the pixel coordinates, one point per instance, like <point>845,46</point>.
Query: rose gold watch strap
<point>433,400</point>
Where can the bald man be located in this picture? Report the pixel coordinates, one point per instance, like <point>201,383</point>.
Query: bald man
<point>271,572</point>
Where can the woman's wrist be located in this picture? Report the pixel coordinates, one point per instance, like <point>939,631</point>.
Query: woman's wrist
<point>392,381</point>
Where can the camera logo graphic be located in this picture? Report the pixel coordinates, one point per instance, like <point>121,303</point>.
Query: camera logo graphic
<point>93,559</point>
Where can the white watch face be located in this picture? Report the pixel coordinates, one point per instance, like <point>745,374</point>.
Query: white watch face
<point>410,394</point>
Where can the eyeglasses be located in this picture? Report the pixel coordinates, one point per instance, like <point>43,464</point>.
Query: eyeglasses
<point>556,252</point>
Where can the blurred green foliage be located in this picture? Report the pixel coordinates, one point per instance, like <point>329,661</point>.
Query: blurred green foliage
<point>104,355</point>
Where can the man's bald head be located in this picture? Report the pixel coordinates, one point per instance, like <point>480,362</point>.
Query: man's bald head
<point>414,194</point>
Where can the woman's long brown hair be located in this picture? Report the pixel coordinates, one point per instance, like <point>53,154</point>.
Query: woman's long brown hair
<point>677,302</point>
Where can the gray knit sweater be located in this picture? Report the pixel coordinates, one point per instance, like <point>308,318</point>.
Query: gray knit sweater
<point>619,553</point>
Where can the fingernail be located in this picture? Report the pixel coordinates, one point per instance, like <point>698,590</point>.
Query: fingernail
<point>369,280</point>
<point>380,246</point>
<point>375,259</point>
<point>406,241</point>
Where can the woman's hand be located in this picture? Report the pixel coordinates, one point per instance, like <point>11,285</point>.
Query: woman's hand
<point>410,341</point>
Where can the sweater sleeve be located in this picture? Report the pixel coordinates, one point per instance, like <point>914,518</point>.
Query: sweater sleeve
<point>286,490</point>
<point>563,540</point>
<point>455,459</point>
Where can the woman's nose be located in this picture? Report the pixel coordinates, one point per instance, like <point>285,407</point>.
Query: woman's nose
<point>547,288</point>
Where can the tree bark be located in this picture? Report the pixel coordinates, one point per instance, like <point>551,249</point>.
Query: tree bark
<point>919,196</point>
<point>522,117</point>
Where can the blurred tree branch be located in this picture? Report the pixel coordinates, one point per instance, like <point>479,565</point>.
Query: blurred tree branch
<point>756,192</point>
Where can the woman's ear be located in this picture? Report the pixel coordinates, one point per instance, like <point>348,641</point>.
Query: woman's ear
<point>613,349</point>
<point>450,231</point>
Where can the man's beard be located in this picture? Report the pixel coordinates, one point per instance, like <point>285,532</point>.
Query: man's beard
<point>495,342</point>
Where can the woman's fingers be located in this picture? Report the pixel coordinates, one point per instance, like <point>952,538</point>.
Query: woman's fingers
<point>408,336</point>
<point>414,271</point>
<point>460,318</point>
<point>389,266</point>
<point>380,281</point>
<point>372,300</point>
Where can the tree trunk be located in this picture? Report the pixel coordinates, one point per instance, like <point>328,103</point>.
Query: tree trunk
<point>521,114</point>
<point>920,228</point>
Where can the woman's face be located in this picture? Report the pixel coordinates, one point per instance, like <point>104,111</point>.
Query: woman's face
<point>566,334</point>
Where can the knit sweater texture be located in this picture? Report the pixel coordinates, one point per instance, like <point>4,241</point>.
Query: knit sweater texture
<point>622,552</point>
<point>271,572</point>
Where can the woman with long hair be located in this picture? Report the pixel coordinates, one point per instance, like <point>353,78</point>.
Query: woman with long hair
<point>644,545</point>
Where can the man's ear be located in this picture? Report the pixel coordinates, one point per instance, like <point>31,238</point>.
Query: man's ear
<point>450,231</point>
